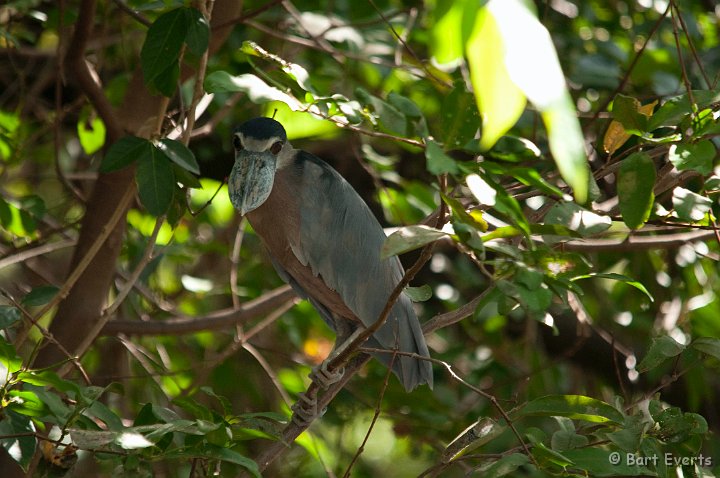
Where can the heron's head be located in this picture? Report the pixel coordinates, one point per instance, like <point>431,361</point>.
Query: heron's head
<point>258,143</point>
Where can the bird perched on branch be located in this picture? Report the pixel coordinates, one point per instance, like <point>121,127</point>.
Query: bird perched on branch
<point>324,241</point>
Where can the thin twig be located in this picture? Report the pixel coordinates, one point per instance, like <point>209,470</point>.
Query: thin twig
<point>97,327</point>
<point>24,255</point>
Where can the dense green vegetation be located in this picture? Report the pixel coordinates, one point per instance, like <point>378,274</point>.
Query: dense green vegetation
<point>551,170</point>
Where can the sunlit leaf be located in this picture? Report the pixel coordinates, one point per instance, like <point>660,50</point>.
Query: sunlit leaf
<point>410,238</point>
<point>690,206</point>
<point>617,277</point>
<point>577,407</point>
<point>132,441</point>
<point>499,99</point>
<point>577,218</point>
<point>294,71</point>
<point>636,180</point>
<point>567,145</point>
<point>523,63</point>
<point>695,156</point>
<point>627,108</point>
<point>447,45</point>
<point>483,192</point>
<point>91,134</point>
<point>672,112</point>
<point>257,90</point>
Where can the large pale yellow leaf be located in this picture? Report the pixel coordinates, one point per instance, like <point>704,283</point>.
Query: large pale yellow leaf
<point>499,99</point>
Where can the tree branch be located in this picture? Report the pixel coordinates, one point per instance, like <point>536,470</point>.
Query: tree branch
<point>637,243</point>
<point>221,319</point>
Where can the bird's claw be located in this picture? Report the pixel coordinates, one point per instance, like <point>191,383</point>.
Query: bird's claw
<point>305,410</point>
<point>324,377</point>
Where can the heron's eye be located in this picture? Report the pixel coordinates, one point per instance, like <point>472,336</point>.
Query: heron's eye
<point>237,144</point>
<point>275,148</point>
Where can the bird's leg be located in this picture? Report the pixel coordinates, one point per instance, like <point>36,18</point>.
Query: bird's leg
<point>321,374</point>
<point>305,409</point>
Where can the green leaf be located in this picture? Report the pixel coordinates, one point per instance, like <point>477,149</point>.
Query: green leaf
<point>459,118</point>
<point>22,448</point>
<point>179,154</point>
<point>6,214</point>
<point>257,90</point>
<point>294,71</point>
<point>9,360</point>
<point>390,118</point>
<point>577,407</point>
<point>156,182</point>
<point>507,465</point>
<point>471,219</point>
<point>626,110</point>
<point>26,402</point>
<point>167,80</point>
<point>132,441</point>
<point>661,349</point>
<point>690,206</point>
<point>635,189</point>
<point>696,157</point>
<point>447,41</point>
<point>40,295</point>
<point>161,49</point>
<point>198,32</point>
<point>419,294</point>
<point>599,462</point>
<point>672,112</point>
<point>405,105</point>
<point>577,218</point>
<point>124,152</point>
<point>507,205</point>
<point>409,238</point>
<point>91,134</point>
<point>230,456</point>
<point>438,162</point>
<point>618,277</point>
<point>9,315</point>
<point>567,146</point>
<point>628,437</point>
<point>707,345</point>
<point>498,98</point>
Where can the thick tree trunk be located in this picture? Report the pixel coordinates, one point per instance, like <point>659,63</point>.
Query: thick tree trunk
<point>82,307</point>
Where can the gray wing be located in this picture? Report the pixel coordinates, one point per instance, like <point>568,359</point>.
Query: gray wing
<point>340,240</point>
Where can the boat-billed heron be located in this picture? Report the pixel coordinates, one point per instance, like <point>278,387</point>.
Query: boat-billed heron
<point>324,241</point>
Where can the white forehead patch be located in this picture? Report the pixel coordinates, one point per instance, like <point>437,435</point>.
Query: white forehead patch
<point>259,145</point>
